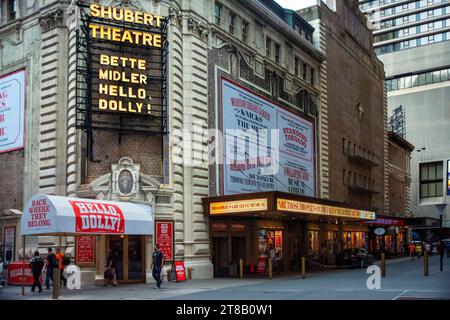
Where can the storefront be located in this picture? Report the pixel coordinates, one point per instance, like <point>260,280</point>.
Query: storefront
<point>97,228</point>
<point>254,227</point>
<point>387,235</point>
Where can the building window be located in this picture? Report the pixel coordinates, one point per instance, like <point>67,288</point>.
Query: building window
<point>232,22</point>
<point>304,70</point>
<point>268,47</point>
<point>218,13</point>
<point>296,65</point>
<point>277,53</point>
<point>312,76</point>
<point>431,179</point>
<point>245,31</point>
<point>12,9</point>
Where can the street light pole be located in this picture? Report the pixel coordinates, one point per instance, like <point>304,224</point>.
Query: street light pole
<point>441,208</point>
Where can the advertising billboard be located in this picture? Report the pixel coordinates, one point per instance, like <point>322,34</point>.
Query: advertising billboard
<point>12,111</point>
<point>265,146</point>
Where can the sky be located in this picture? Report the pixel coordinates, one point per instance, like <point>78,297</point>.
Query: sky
<point>296,4</point>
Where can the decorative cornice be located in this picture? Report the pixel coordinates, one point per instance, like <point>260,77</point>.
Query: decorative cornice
<point>51,20</point>
<point>198,28</point>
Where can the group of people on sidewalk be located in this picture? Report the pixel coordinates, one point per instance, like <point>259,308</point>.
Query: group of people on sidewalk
<point>53,261</point>
<point>417,249</point>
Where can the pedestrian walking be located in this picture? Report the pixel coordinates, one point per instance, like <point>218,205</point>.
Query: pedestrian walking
<point>418,250</point>
<point>428,248</point>
<point>157,264</point>
<point>36,264</point>
<point>60,257</point>
<point>50,265</point>
<point>412,250</point>
<point>110,274</point>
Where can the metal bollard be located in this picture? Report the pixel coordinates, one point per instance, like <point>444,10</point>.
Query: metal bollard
<point>425,264</point>
<point>303,267</point>
<point>56,283</point>
<point>383,265</point>
<point>241,268</point>
<point>270,268</point>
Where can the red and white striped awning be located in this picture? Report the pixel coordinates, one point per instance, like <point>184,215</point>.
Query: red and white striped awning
<point>46,214</point>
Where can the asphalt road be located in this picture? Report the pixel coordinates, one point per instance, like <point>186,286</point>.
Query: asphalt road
<point>404,280</point>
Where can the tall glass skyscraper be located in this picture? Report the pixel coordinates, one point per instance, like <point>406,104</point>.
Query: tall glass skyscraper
<point>412,39</point>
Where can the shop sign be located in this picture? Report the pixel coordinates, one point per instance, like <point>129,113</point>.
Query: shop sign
<point>180,271</point>
<point>379,231</point>
<point>18,272</point>
<point>12,111</point>
<point>238,206</point>
<point>91,217</point>
<point>85,250</point>
<point>320,209</point>
<point>164,238</point>
<point>388,222</point>
<point>265,147</point>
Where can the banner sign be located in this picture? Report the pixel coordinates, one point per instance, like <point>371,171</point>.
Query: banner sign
<point>98,218</point>
<point>16,272</point>
<point>266,147</point>
<point>320,209</point>
<point>85,250</point>
<point>238,206</point>
<point>125,69</point>
<point>48,214</point>
<point>12,111</point>
<point>180,271</point>
<point>164,238</point>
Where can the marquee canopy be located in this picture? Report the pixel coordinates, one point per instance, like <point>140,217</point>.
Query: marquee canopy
<point>46,214</point>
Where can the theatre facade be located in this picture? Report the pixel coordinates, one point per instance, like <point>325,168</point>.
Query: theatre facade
<point>211,116</point>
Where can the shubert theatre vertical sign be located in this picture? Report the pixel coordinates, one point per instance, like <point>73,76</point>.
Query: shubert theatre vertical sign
<point>121,64</point>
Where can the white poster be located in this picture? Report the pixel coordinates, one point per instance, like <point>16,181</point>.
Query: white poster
<point>12,111</point>
<point>265,147</point>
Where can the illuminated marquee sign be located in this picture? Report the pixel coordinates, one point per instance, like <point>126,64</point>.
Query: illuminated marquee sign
<point>238,206</point>
<point>320,209</point>
<point>122,60</point>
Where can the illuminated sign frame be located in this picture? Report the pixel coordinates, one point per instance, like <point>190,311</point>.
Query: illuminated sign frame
<point>321,209</point>
<point>122,65</point>
<point>238,206</point>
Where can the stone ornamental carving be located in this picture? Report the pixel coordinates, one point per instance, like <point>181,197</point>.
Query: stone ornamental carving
<point>125,178</point>
<point>53,19</point>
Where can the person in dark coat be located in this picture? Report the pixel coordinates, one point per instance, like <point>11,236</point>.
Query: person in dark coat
<point>50,266</point>
<point>36,264</point>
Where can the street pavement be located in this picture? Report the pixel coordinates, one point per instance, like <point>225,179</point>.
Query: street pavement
<point>404,280</point>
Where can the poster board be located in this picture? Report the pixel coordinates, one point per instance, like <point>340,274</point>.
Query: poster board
<point>9,243</point>
<point>85,250</point>
<point>180,271</point>
<point>164,237</point>
<point>12,111</point>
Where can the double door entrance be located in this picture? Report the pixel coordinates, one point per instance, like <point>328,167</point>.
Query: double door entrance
<point>130,257</point>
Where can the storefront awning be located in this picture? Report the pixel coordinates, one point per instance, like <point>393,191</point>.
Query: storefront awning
<point>52,215</point>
